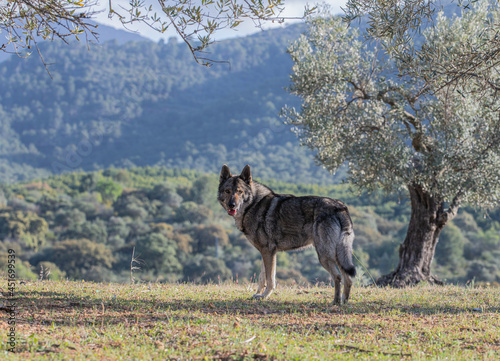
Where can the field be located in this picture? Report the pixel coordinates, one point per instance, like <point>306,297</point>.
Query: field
<point>90,321</point>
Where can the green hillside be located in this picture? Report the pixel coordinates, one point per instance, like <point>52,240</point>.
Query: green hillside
<point>88,226</point>
<point>145,103</point>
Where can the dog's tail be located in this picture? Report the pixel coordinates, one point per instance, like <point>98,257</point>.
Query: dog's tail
<point>344,247</point>
<point>344,253</point>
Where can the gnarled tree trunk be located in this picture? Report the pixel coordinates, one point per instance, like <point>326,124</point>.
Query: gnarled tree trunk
<point>428,218</point>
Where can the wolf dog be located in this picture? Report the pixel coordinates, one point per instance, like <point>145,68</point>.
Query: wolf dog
<point>282,222</point>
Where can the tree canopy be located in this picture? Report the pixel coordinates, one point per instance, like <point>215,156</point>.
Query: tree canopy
<point>442,143</point>
<point>356,109</point>
<point>26,22</point>
<point>396,25</point>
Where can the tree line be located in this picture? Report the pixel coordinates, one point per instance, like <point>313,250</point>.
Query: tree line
<point>89,225</point>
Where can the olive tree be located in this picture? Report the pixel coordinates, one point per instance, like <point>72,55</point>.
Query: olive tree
<point>25,22</point>
<point>439,145</point>
<point>396,24</point>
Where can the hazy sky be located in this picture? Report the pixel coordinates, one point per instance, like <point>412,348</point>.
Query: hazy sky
<point>293,8</point>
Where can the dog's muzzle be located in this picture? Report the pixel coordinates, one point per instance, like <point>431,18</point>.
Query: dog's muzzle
<point>231,207</point>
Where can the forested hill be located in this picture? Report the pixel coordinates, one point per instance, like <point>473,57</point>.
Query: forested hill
<point>88,225</point>
<point>145,103</point>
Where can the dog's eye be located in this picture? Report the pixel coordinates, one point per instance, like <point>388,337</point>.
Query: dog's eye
<point>240,192</point>
<point>228,191</point>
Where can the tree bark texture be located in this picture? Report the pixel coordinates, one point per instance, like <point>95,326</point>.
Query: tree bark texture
<point>428,218</point>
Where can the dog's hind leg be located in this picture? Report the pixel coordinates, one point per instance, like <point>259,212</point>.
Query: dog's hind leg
<point>347,284</point>
<point>326,234</point>
<point>329,264</point>
<point>344,261</point>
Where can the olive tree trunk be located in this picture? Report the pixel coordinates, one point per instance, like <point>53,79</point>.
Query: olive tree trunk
<point>428,218</point>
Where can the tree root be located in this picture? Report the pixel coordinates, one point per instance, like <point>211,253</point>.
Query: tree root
<point>399,279</point>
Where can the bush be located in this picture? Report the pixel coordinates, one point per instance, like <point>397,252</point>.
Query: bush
<point>75,256</point>
<point>203,269</point>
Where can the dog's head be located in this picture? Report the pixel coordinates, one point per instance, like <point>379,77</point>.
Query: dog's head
<point>234,191</point>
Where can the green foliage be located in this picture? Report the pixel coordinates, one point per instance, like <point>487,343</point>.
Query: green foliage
<point>204,269</point>
<point>49,271</point>
<point>109,190</point>
<point>356,109</point>
<point>450,248</point>
<point>206,236</point>
<point>449,257</point>
<point>193,213</point>
<point>196,24</point>
<point>160,255</point>
<point>397,28</point>
<point>202,191</point>
<point>84,239</point>
<point>166,194</point>
<point>25,23</point>
<point>68,218</point>
<point>25,228</point>
<point>77,258</point>
<point>95,230</point>
<point>22,267</point>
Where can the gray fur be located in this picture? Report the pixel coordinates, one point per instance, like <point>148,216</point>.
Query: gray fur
<point>281,222</point>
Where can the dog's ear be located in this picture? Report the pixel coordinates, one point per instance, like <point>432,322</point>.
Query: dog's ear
<point>225,174</point>
<point>246,174</point>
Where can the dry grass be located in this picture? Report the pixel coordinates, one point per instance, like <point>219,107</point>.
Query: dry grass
<point>80,320</point>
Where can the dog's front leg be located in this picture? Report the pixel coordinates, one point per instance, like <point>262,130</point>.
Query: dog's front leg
<point>262,280</point>
<point>269,267</point>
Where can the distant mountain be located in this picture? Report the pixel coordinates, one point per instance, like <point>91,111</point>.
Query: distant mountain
<point>140,103</point>
<point>106,33</point>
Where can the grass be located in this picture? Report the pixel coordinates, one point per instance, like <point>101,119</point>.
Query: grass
<point>90,321</point>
